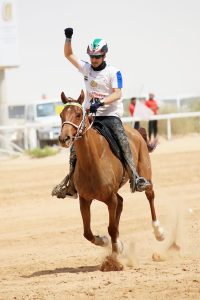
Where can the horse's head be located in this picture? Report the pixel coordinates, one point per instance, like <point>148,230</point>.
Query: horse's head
<point>72,117</point>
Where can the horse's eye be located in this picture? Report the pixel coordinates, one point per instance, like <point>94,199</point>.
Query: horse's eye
<point>78,115</point>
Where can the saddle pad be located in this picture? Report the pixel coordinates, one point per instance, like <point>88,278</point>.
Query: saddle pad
<point>103,130</point>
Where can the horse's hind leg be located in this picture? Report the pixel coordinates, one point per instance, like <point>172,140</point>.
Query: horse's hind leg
<point>86,216</point>
<point>119,211</point>
<point>158,230</point>
<point>115,205</point>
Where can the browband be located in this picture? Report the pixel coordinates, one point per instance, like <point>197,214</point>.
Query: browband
<point>75,104</point>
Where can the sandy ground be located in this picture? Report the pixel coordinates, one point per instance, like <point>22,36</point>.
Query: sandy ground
<point>43,254</point>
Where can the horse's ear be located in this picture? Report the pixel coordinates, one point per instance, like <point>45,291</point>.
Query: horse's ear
<point>81,97</point>
<point>63,98</point>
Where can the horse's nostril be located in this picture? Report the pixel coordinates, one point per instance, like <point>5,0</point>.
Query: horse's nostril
<point>66,139</point>
<point>63,139</point>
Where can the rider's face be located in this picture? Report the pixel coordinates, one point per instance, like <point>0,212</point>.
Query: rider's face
<point>96,60</point>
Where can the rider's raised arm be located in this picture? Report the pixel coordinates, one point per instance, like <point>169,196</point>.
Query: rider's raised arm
<point>68,48</point>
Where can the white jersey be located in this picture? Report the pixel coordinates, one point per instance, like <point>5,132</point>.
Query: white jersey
<point>100,84</point>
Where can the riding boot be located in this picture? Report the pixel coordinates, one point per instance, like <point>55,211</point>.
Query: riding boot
<point>137,183</point>
<point>66,188</point>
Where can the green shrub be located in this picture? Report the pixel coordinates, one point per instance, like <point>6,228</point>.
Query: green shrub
<point>180,126</point>
<point>42,152</point>
<point>195,106</point>
<point>167,109</point>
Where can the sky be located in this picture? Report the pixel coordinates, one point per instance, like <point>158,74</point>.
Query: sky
<point>155,44</point>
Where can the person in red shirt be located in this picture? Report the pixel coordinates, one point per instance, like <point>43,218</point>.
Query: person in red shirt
<point>132,109</point>
<point>153,124</point>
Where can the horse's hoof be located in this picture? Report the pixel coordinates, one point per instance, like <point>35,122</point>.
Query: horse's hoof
<point>159,234</point>
<point>158,231</point>
<point>118,247</point>
<point>105,241</point>
<point>102,241</point>
<point>160,237</point>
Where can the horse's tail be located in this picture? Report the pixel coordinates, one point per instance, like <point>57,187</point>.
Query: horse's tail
<point>151,146</point>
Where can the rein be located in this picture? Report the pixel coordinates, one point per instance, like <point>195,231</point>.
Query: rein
<point>81,127</point>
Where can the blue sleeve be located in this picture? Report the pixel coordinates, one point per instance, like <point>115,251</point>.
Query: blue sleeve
<point>119,80</point>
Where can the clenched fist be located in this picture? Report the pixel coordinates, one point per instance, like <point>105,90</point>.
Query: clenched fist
<point>68,32</point>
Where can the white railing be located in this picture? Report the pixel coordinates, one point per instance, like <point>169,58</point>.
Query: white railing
<point>30,129</point>
<point>167,117</point>
<point>29,135</point>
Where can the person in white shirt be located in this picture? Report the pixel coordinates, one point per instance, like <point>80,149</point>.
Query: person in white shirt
<point>104,99</point>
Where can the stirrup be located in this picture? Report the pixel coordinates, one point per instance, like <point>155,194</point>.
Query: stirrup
<point>64,192</point>
<point>142,184</point>
<point>70,191</point>
<point>73,196</point>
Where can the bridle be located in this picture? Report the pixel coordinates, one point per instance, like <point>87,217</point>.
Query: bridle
<point>81,128</point>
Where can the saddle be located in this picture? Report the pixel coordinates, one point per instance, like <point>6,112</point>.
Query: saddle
<point>104,131</point>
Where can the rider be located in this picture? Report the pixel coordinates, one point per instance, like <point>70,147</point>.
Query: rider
<point>103,83</point>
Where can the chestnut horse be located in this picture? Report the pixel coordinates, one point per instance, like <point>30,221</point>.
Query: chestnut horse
<point>99,174</point>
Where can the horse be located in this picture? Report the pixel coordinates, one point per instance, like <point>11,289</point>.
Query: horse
<point>99,174</point>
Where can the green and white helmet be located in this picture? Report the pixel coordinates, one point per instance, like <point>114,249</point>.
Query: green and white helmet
<point>97,47</point>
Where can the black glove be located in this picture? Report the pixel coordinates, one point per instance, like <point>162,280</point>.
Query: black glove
<point>68,32</point>
<point>94,106</point>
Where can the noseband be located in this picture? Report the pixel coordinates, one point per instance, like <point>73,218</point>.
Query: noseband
<point>80,128</point>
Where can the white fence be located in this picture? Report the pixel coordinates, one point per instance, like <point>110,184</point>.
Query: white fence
<point>28,133</point>
<point>29,130</point>
<point>167,117</point>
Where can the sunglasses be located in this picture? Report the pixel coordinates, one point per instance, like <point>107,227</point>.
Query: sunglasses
<point>96,56</point>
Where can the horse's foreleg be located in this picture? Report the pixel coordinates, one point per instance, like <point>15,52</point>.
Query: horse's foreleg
<point>86,216</point>
<point>158,230</point>
<point>115,209</point>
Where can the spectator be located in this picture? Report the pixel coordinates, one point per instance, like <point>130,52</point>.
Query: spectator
<point>153,124</point>
<point>44,96</point>
<point>132,109</point>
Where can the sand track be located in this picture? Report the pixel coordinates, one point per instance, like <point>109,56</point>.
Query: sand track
<point>44,255</point>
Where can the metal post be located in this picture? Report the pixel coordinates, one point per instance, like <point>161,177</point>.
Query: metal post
<point>3,108</point>
<point>169,131</point>
<point>26,146</point>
